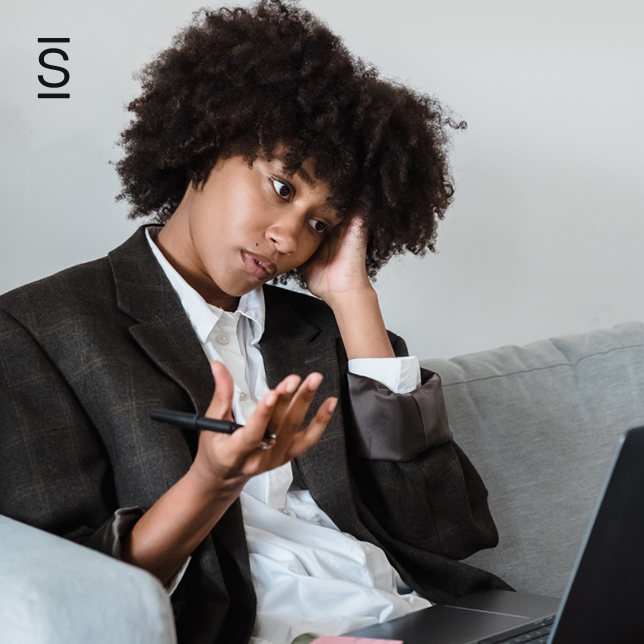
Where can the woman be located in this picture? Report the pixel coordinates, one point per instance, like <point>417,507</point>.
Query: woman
<point>265,151</point>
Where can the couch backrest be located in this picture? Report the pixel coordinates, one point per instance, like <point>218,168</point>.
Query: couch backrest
<point>541,425</point>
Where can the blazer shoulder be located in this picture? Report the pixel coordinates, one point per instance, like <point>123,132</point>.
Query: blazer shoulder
<point>319,313</point>
<point>86,287</point>
<point>309,307</point>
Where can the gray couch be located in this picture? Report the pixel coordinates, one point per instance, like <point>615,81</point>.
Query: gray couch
<point>540,423</point>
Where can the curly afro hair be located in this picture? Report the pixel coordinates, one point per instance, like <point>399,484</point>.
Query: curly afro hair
<point>247,81</point>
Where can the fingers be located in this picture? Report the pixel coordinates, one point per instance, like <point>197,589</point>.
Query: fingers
<point>358,230</point>
<point>222,400</point>
<point>271,413</point>
<point>352,225</point>
<point>286,389</point>
<point>299,404</point>
<point>280,412</point>
<point>253,432</point>
<point>307,438</point>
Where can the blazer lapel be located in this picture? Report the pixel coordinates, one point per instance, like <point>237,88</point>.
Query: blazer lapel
<point>292,344</point>
<point>163,330</point>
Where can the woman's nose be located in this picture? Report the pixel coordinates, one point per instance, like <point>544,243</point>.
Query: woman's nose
<point>284,234</point>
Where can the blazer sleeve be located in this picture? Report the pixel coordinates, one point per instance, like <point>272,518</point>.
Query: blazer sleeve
<point>412,476</point>
<point>55,472</point>
<point>420,418</point>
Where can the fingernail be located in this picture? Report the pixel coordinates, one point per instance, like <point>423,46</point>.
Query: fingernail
<point>270,399</point>
<point>332,404</point>
<point>315,381</point>
<point>291,385</point>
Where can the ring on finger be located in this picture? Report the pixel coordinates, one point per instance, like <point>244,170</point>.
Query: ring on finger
<point>268,441</point>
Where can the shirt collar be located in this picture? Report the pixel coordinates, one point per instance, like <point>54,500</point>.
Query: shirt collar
<point>204,316</point>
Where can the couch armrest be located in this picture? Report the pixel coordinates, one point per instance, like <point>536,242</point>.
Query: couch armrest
<point>56,591</point>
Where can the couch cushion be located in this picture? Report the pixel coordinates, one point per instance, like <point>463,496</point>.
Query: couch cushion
<point>541,423</point>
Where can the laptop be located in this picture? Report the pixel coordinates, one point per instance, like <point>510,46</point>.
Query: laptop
<point>603,602</point>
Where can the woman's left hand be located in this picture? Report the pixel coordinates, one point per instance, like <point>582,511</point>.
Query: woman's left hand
<point>337,273</point>
<point>337,268</point>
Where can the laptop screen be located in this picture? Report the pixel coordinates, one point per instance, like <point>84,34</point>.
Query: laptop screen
<point>604,601</point>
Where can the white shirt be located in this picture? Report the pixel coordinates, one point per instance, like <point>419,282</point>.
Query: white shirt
<point>309,576</point>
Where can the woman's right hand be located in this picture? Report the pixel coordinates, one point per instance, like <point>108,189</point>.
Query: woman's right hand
<point>228,461</point>
<point>167,534</point>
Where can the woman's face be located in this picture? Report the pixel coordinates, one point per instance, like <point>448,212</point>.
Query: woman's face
<point>244,226</point>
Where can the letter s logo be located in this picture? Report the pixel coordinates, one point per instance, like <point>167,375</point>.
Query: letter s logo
<point>41,59</point>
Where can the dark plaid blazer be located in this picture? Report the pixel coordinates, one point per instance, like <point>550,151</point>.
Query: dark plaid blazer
<point>86,352</point>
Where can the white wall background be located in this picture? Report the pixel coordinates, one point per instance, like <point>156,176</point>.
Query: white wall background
<point>546,234</point>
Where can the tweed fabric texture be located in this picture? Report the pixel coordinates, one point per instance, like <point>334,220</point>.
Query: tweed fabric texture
<point>87,352</point>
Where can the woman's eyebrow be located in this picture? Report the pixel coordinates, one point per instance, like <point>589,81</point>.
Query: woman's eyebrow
<point>334,214</point>
<point>305,176</point>
<point>311,182</point>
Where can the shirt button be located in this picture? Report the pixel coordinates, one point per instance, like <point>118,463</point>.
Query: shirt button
<point>242,396</point>
<point>222,339</point>
<point>284,511</point>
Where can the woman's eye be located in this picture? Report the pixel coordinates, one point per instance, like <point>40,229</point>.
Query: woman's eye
<point>318,226</point>
<point>282,189</point>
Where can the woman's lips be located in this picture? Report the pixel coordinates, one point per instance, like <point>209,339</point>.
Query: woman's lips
<point>258,266</point>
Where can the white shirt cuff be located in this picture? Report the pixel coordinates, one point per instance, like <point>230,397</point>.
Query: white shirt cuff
<point>401,375</point>
<point>171,586</point>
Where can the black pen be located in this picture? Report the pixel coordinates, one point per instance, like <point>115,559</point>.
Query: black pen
<point>192,421</point>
